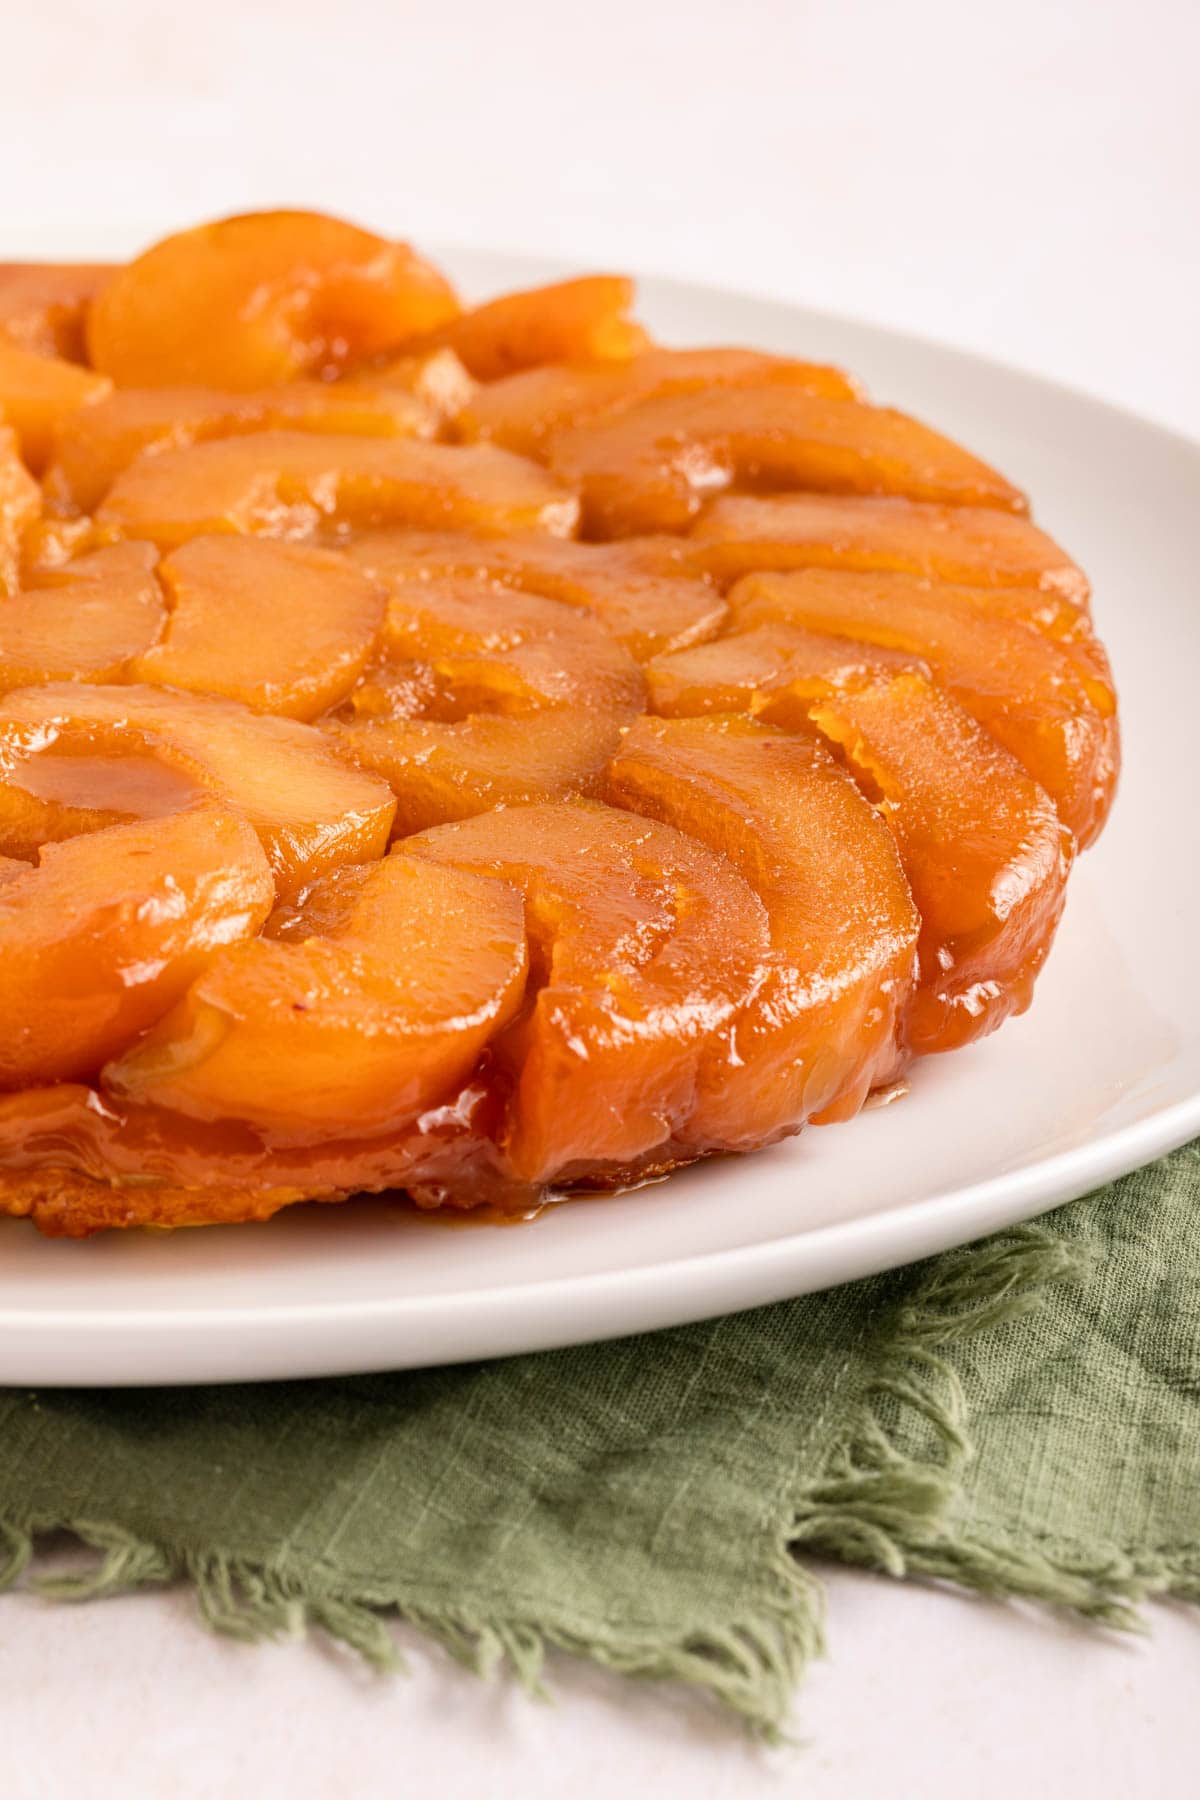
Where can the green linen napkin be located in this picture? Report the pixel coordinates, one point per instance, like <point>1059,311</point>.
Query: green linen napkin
<point>1021,1417</point>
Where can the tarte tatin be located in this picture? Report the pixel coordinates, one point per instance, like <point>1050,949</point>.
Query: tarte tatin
<point>476,753</point>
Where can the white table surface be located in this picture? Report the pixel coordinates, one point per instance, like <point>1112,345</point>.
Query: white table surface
<point>1017,179</point>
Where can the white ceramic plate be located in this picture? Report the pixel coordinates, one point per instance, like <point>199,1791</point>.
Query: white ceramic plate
<point>1102,1075</point>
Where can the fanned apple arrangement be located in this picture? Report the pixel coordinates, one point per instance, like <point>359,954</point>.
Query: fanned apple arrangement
<point>481,754</point>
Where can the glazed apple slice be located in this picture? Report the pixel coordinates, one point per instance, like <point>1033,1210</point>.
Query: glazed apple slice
<point>389,983</point>
<point>291,484</point>
<point>258,299</point>
<point>437,376</point>
<point>1040,698</point>
<point>984,852</point>
<point>977,546</point>
<point>489,648</point>
<point>39,395</point>
<point>105,933</point>
<point>822,1029</point>
<point>284,628</point>
<point>523,410</point>
<point>652,466</point>
<point>42,305</point>
<point>75,757</point>
<point>93,447</point>
<point>641,590</point>
<point>736,673</point>
<point>84,621</point>
<point>48,542</point>
<point>1065,622</point>
<point>439,771</point>
<point>523,699</point>
<point>645,944</point>
<point>565,322</point>
<point>20,506</point>
<point>982,847</point>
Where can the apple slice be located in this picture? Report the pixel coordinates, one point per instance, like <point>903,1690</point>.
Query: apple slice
<point>437,377</point>
<point>1037,696</point>
<point>441,771</point>
<point>977,546</point>
<point>258,299</point>
<point>494,649</point>
<point>522,410</point>
<point>735,674</point>
<point>985,855</point>
<point>291,484</point>
<point>524,699</point>
<point>108,930</point>
<point>47,543</point>
<point>645,944</point>
<point>82,622</point>
<point>39,395</point>
<point>822,1029</point>
<point>96,445</point>
<point>42,305</point>
<point>20,506</point>
<point>377,1003</point>
<point>651,467</point>
<point>284,628</point>
<point>564,322</point>
<point>63,747</point>
<point>641,590</point>
<point>982,847</point>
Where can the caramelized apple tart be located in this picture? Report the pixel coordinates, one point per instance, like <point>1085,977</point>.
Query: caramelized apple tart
<point>476,753</point>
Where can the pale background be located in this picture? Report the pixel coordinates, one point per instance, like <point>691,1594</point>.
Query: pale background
<point>1018,179</point>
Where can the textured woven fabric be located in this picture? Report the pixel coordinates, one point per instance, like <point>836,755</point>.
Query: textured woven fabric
<point>1022,1416</point>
